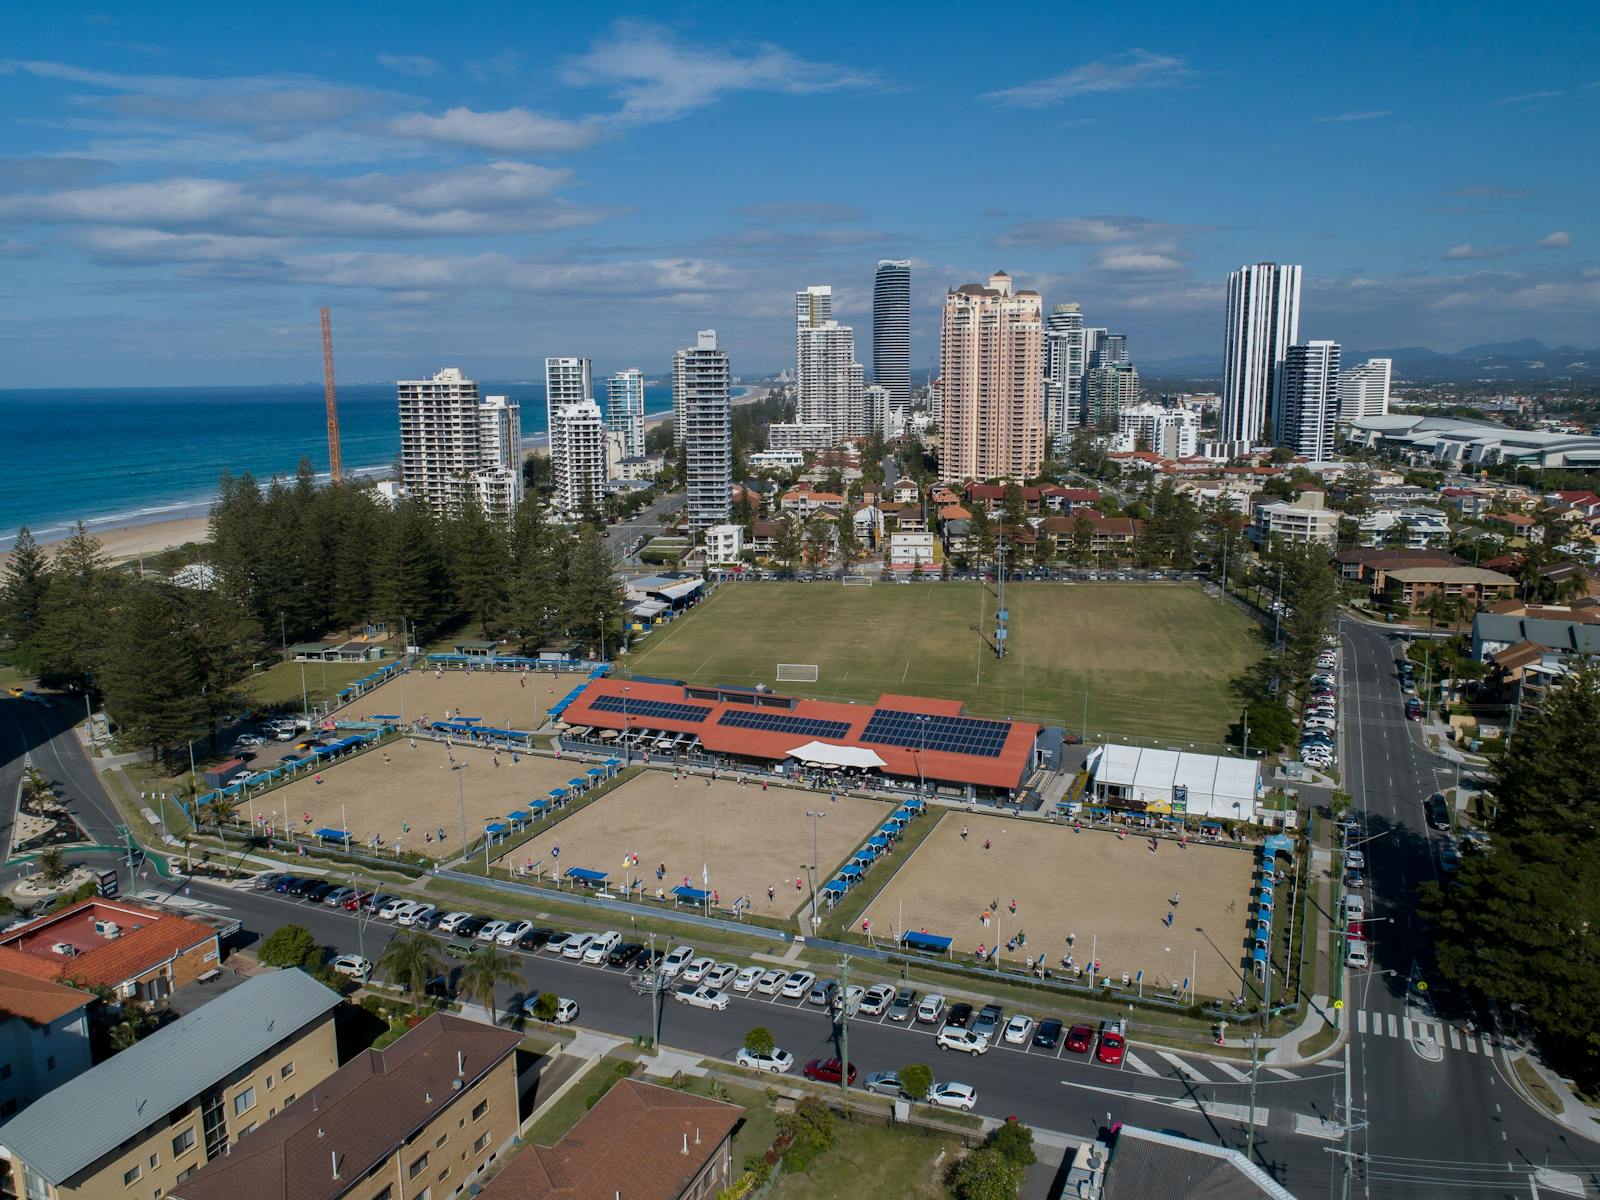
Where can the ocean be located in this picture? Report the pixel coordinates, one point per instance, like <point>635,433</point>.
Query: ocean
<point>130,456</point>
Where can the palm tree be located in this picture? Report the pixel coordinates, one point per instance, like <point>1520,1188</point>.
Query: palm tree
<point>410,959</point>
<point>484,972</point>
<point>219,811</point>
<point>53,864</point>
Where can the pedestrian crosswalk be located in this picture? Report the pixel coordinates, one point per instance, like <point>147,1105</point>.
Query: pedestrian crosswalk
<point>1421,1029</point>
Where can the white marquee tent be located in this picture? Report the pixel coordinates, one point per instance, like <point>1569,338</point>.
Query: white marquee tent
<point>1171,781</point>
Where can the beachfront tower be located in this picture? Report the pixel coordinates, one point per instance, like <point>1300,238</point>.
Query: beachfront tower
<point>1263,321</point>
<point>702,397</point>
<point>625,410</point>
<point>891,332</point>
<point>456,449</point>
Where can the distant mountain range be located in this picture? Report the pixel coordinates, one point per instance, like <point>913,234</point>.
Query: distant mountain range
<point>1526,360</point>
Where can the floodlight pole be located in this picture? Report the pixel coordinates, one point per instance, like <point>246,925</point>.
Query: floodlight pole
<point>461,800</point>
<point>815,816</point>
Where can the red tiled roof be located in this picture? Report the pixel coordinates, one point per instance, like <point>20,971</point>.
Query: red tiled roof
<point>630,1144</point>
<point>146,940</point>
<point>37,1001</point>
<point>1004,770</point>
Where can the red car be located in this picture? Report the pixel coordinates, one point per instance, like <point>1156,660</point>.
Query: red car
<point>1080,1039</point>
<point>356,901</point>
<point>826,1070</point>
<point>1111,1049</point>
<point>1355,932</point>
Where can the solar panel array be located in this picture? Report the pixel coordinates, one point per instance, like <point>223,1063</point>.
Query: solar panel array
<point>773,722</point>
<point>644,710</point>
<point>950,735</point>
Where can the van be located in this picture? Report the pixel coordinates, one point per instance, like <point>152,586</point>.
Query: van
<point>1354,907</point>
<point>1355,955</point>
<point>602,946</point>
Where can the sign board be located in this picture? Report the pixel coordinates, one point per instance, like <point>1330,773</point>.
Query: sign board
<point>106,883</point>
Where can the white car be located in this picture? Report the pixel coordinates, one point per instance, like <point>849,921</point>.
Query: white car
<point>451,920</point>
<point>770,982</point>
<point>877,999</point>
<point>797,985</point>
<point>248,741</point>
<point>1019,1029</point>
<point>746,979</point>
<point>492,931</point>
<point>931,1008</point>
<point>412,916</point>
<point>603,945</point>
<point>353,966</point>
<point>395,907</point>
<point>558,943</point>
<point>849,1000</point>
<point>1355,860</point>
<point>576,945</point>
<point>509,935</point>
<point>674,962</point>
<point>953,1037</point>
<point>721,975</point>
<point>777,1062</point>
<point>953,1095</point>
<point>694,972</point>
<point>566,1010</point>
<point>702,997</point>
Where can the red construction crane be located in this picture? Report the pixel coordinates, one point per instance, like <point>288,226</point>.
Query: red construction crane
<point>335,467</point>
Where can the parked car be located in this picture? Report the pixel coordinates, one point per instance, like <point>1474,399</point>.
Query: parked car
<point>356,902</point>
<point>597,950</point>
<point>393,907</point>
<point>828,1070</point>
<point>646,959</point>
<point>1048,1035</point>
<point>849,1000</point>
<point>988,1022</point>
<point>1437,811</point>
<point>777,1062</point>
<point>905,1001</point>
<point>1449,856</point>
<point>746,979</point>
<point>822,992</point>
<point>961,1096</point>
<point>1353,907</point>
<point>884,1083</point>
<point>471,927</point>
<point>931,1008</point>
<point>797,984</point>
<point>771,980</point>
<point>877,999</point>
<point>702,997</point>
<point>1113,1046</point>
<point>951,1038</point>
<point>557,942</point>
<point>623,956</point>
<point>450,920</point>
<point>959,1015</point>
<point>695,970</point>
<point>416,916</point>
<point>566,1010</point>
<point>1413,709</point>
<point>353,966</point>
<point>512,934</point>
<point>721,975</point>
<point>428,920</point>
<point>675,961</point>
<point>491,932</point>
<point>1080,1038</point>
<point>337,897</point>
<point>576,944</point>
<point>1019,1029</point>
<point>1356,955</point>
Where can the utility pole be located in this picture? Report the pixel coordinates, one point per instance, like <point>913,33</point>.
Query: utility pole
<point>335,464</point>
<point>844,1024</point>
<point>815,817</point>
<point>655,994</point>
<point>1250,1126</point>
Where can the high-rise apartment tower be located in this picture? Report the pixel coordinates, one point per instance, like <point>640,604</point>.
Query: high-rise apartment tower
<point>1310,399</point>
<point>702,387</point>
<point>625,409</point>
<point>991,345</point>
<point>1263,322</point>
<point>891,331</point>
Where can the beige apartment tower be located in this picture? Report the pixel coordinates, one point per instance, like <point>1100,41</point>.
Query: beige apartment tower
<point>991,344</point>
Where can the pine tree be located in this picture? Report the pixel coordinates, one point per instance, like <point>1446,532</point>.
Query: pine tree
<point>151,678</point>
<point>411,580</point>
<point>74,626</point>
<point>789,543</point>
<point>476,553</point>
<point>593,600</point>
<point>22,600</point>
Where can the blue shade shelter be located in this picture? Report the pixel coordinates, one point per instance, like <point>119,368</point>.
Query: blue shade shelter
<point>520,814</point>
<point>878,841</point>
<point>577,785</point>
<point>558,792</point>
<point>497,828</point>
<point>835,887</point>
<point>586,875</point>
<point>595,773</point>
<point>691,895</point>
<point>539,805</point>
<point>333,835</point>
<point>937,943</point>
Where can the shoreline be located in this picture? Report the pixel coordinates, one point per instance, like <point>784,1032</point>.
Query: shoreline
<point>176,525</point>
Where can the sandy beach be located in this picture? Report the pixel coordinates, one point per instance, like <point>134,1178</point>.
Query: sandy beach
<point>130,541</point>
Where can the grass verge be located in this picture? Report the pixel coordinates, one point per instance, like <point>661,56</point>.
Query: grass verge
<point>1536,1087</point>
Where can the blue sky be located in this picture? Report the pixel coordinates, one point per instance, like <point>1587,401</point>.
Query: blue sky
<point>182,185</point>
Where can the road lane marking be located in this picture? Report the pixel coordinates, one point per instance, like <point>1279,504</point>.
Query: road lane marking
<point>1231,1071</point>
<point>1455,1041</point>
<point>1394,1025</point>
<point>1138,1064</point>
<point>1184,1068</point>
<point>1281,1073</point>
<point>1488,1045</point>
<point>1361,1020</point>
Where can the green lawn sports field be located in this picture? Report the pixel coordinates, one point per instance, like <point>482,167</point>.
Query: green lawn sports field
<point>1157,658</point>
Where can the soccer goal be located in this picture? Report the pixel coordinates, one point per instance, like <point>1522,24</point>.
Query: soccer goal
<point>797,672</point>
<point>857,581</point>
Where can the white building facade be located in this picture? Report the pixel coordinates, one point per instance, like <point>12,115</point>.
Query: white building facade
<point>702,386</point>
<point>1310,412</point>
<point>830,382</point>
<point>1169,432</point>
<point>578,456</point>
<point>724,544</point>
<point>891,332</point>
<point>1263,321</point>
<point>456,449</point>
<point>1064,365</point>
<point>1364,390</point>
<point>625,409</point>
<point>566,381</point>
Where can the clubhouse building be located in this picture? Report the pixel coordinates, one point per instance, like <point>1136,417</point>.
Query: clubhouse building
<point>911,741</point>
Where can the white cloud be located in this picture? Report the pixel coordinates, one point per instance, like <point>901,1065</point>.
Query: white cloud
<point>493,186</point>
<point>130,247</point>
<point>1080,231</point>
<point>1529,97</point>
<point>417,65</point>
<point>1137,70</point>
<point>658,77</point>
<point>1340,118</point>
<point>1468,251</point>
<point>48,171</point>
<point>1559,240</point>
<point>509,131</point>
<point>1130,260</point>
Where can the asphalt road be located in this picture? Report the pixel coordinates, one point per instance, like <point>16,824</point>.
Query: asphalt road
<point>48,736</point>
<point>1439,1117</point>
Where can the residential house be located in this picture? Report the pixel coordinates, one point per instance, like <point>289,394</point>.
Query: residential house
<point>1371,566</point>
<point>1585,503</point>
<point>44,1038</point>
<point>804,502</point>
<point>137,952</point>
<point>910,548</point>
<point>724,544</point>
<point>1514,524</point>
<point>420,1120</point>
<point>868,523</point>
<point>641,1141</point>
<point>147,1119</point>
<point>1303,521</point>
<point>1145,1163</point>
<point>906,491</point>
<point>1413,528</point>
<point>763,539</point>
<point>1109,537</point>
<point>1577,635</point>
<point>1471,503</point>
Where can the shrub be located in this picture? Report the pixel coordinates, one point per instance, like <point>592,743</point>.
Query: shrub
<point>290,946</point>
<point>1014,1140</point>
<point>916,1079</point>
<point>544,1008</point>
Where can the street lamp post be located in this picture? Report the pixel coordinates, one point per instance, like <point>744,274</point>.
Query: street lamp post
<point>815,815</point>
<point>922,755</point>
<point>627,747</point>
<point>461,800</point>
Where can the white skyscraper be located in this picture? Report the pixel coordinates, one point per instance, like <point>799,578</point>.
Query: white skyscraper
<point>829,380</point>
<point>566,381</point>
<point>1063,374</point>
<point>1263,322</point>
<point>702,386</point>
<point>1310,399</point>
<point>625,409</point>
<point>578,456</point>
<point>1170,432</point>
<point>878,412</point>
<point>455,449</point>
<point>1364,390</point>
<point>812,306</point>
